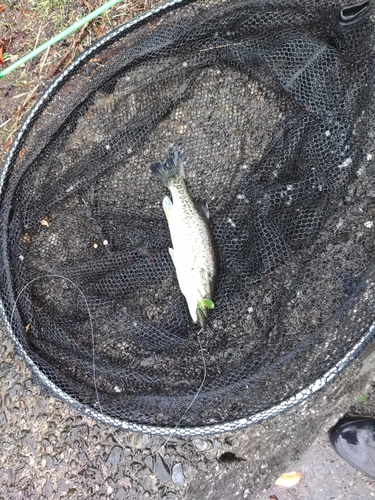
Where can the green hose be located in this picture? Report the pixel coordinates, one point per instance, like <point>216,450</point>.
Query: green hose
<point>75,26</point>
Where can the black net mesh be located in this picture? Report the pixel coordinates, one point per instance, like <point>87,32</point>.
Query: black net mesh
<point>272,105</point>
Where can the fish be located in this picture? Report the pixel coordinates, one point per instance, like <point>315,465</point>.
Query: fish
<point>193,253</point>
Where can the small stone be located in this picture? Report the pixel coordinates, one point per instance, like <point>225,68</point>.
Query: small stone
<point>115,456</point>
<point>47,490</point>
<point>120,494</point>
<point>63,487</point>
<point>139,441</point>
<point>177,474</point>
<point>161,469</point>
<point>15,390</point>
<point>368,224</point>
<point>170,496</point>
<point>217,443</point>
<point>3,418</point>
<point>125,482</point>
<point>49,462</point>
<point>200,444</point>
<point>148,361</point>
<point>149,461</point>
<point>147,482</point>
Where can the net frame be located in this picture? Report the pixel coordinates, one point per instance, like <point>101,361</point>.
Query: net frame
<point>53,388</point>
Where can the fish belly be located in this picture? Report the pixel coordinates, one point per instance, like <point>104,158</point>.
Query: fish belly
<point>188,254</point>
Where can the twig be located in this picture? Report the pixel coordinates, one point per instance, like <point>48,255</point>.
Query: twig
<point>20,109</point>
<point>37,37</point>
<point>4,123</point>
<point>43,61</point>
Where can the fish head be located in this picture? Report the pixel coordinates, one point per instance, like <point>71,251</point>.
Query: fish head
<point>203,306</point>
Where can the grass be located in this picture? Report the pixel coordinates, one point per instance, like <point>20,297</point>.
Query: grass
<point>63,13</point>
<point>26,24</point>
<point>362,398</point>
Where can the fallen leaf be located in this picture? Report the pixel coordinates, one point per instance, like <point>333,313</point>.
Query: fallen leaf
<point>62,63</point>
<point>7,145</point>
<point>1,56</point>
<point>21,153</point>
<point>27,327</point>
<point>100,30</point>
<point>289,479</point>
<point>89,6</point>
<point>2,7</point>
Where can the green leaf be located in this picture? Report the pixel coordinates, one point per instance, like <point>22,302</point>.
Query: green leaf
<point>207,303</point>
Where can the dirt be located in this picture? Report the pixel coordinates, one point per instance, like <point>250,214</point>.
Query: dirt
<point>26,24</point>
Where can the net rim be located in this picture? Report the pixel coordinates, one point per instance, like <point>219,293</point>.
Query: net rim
<point>54,389</point>
<point>210,429</point>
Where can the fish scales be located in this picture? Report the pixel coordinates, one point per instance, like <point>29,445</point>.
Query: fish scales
<point>193,251</point>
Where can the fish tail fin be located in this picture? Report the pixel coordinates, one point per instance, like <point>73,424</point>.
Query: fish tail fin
<point>171,168</point>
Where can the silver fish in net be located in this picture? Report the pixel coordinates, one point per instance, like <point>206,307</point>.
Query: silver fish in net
<point>193,252</point>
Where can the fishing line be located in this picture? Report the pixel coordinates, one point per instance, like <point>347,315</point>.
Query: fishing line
<point>89,314</point>
<point>194,398</point>
<point>93,349</point>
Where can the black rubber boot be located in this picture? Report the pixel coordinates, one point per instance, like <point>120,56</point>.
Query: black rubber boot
<point>354,440</point>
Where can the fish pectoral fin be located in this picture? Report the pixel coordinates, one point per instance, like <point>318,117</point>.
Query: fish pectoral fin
<point>171,253</point>
<point>205,210</point>
<point>167,206</point>
<point>202,208</point>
